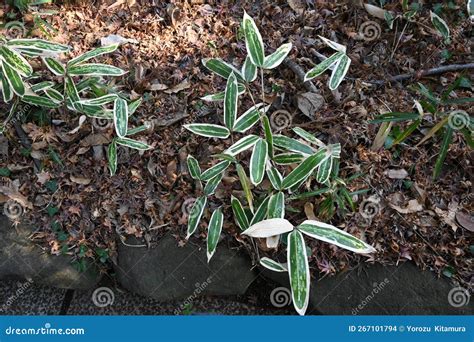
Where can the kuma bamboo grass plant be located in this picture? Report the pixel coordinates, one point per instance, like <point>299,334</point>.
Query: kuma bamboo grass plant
<point>271,157</point>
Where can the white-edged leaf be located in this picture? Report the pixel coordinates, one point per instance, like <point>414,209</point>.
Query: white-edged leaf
<point>239,213</point>
<point>253,40</point>
<point>258,161</point>
<point>134,144</point>
<point>230,101</point>
<point>41,86</point>
<point>261,212</point>
<point>333,45</point>
<point>323,66</point>
<point>249,70</point>
<point>7,91</point>
<point>100,101</point>
<point>339,72</point>
<point>93,53</point>
<point>292,145</point>
<point>273,265</point>
<point>120,117</point>
<point>95,69</point>
<point>214,232</point>
<point>308,137</point>
<point>242,145</point>
<point>275,177</point>
<point>15,61</point>
<point>298,270</point>
<point>40,101</point>
<point>249,118</point>
<point>328,233</point>
<point>276,206</point>
<point>304,170</point>
<point>221,68</point>
<point>112,157</point>
<point>37,45</point>
<point>220,95</point>
<point>14,79</point>
<point>440,25</point>
<point>269,227</point>
<point>54,66</point>
<point>193,167</point>
<point>212,184</point>
<point>208,130</point>
<point>276,58</point>
<point>72,95</point>
<point>288,158</point>
<point>215,170</point>
<point>195,215</point>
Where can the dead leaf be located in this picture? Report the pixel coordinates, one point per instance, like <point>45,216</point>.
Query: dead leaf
<point>80,180</point>
<point>396,174</point>
<point>309,211</point>
<point>465,220</point>
<point>297,5</point>
<point>412,207</point>
<point>94,140</point>
<point>309,103</point>
<point>375,11</point>
<point>449,216</point>
<point>43,177</point>
<point>179,87</point>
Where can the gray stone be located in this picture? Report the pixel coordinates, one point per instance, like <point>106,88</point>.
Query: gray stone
<point>21,259</point>
<point>169,272</point>
<point>377,289</point>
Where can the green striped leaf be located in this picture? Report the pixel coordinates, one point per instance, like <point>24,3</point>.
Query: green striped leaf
<point>395,117</point>
<point>333,45</point>
<point>258,161</point>
<point>276,58</point>
<point>268,228</point>
<point>308,136</point>
<point>230,101</point>
<point>288,158</point>
<point>98,112</point>
<point>244,181</point>
<point>138,129</point>
<point>304,170</point>
<point>253,41</point>
<point>267,129</point>
<point>212,184</point>
<point>273,265</point>
<point>215,170</point>
<point>95,69</point>
<point>42,86</point>
<point>292,145</point>
<point>72,95</point>
<point>38,45</point>
<point>261,212</point>
<point>100,101</point>
<point>324,170</point>
<point>275,177</point>
<point>249,70</point>
<point>221,68</point>
<point>447,138</point>
<point>208,130</point>
<point>323,66</point>
<point>239,213</point>
<point>214,232</point>
<point>193,167</point>
<point>440,26</point>
<point>92,54</point>
<point>195,215</point>
<point>339,72</point>
<point>276,206</point>
<point>112,157</point>
<point>14,79</point>
<point>298,270</point>
<point>133,105</point>
<point>7,92</point>
<point>221,95</point>
<point>242,145</point>
<point>54,66</point>
<point>16,61</point>
<point>249,118</point>
<point>120,117</point>
<point>135,144</point>
<point>40,101</point>
<point>328,233</point>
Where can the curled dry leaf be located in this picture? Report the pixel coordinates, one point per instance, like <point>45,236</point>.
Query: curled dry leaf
<point>465,220</point>
<point>309,104</point>
<point>412,207</point>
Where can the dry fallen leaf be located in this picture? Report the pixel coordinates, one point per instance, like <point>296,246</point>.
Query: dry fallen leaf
<point>412,207</point>
<point>396,174</point>
<point>80,180</point>
<point>465,220</point>
<point>449,216</point>
<point>310,103</point>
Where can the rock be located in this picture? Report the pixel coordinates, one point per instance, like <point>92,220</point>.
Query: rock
<point>169,272</point>
<point>387,290</point>
<point>23,260</point>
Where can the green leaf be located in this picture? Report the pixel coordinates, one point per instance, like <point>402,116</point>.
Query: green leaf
<point>273,265</point>
<point>339,72</point>
<point>135,144</point>
<point>268,134</point>
<point>395,117</point>
<point>298,270</point>
<point>253,41</point>
<point>221,95</point>
<point>221,68</point>
<point>288,158</point>
<point>38,44</point>
<point>308,136</point>
<point>208,130</point>
<point>261,212</point>
<point>249,118</point>
<point>244,181</point>
<point>40,101</point>
<point>94,69</point>
<point>410,129</point>
<point>292,145</point>
<point>212,184</point>
<point>323,66</point>
<point>5,172</point>
<point>193,167</point>
<point>133,105</point>
<point>7,92</point>
<point>328,233</point>
<point>239,213</point>
<point>195,215</point>
<point>72,95</point>
<point>230,101</point>
<point>242,145</point>
<point>268,228</point>
<point>333,45</point>
<point>276,206</point>
<point>14,79</point>
<point>215,170</point>
<point>276,58</point>
<point>54,66</point>
<point>15,61</point>
<point>258,161</point>
<point>447,138</point>
<point>275,177</point>
<point>121,117</point>
<point>91,54</point>
<point>214,232</point>
<point>112,156</point>
<point>42,86</point>
<point>304,170</point>
<point>138,129</point>
<point>440,25</point>
<point>54,95</point>
<point>249,70</point>
<point>324,170</point>
<point>100,101</point>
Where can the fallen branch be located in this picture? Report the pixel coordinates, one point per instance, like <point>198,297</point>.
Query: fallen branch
<point>299,72</point>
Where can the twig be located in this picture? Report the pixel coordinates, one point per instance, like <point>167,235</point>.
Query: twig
<point>422,73</point>
<point>299,72</point>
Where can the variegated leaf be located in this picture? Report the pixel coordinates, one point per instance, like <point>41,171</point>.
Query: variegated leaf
<point>215,170</point>
<point>288,158</point>
<point>249,70</point>
<point>14,79</point>
<point>253,41</point>
<point>440,26</point>
<point>339,72</point>
<point>221,95</point>
<point>249,118</point>
<point>120,117</point>
<point>276,58</point>
<point>242,145</point>
<point>239,213</point>
<point>15,60</point>
<point>270,227</point>
<point>298,270</point>
<point>221,68</point>
<point>292,145</point>
<point>37,45</point>
<point>230,101</point>
<point>275,177</point>
<point>40,101</point>
<point>273,265</point>
<point>258,161</point>
<point>134,144</point>
<point>100,101</point>
<point>95,69</point>
<point>209,130</point>
<point>112,157</point>
<point>323,66</point>
<point>54,66</point>
<point>304,170</point>
<point>195,215</point>
<point>92,54</point>
<point>276,206</point>
<point>261,212</point>
<point>193,167</point>
<point>212,184</point>
<point>214,232</point>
